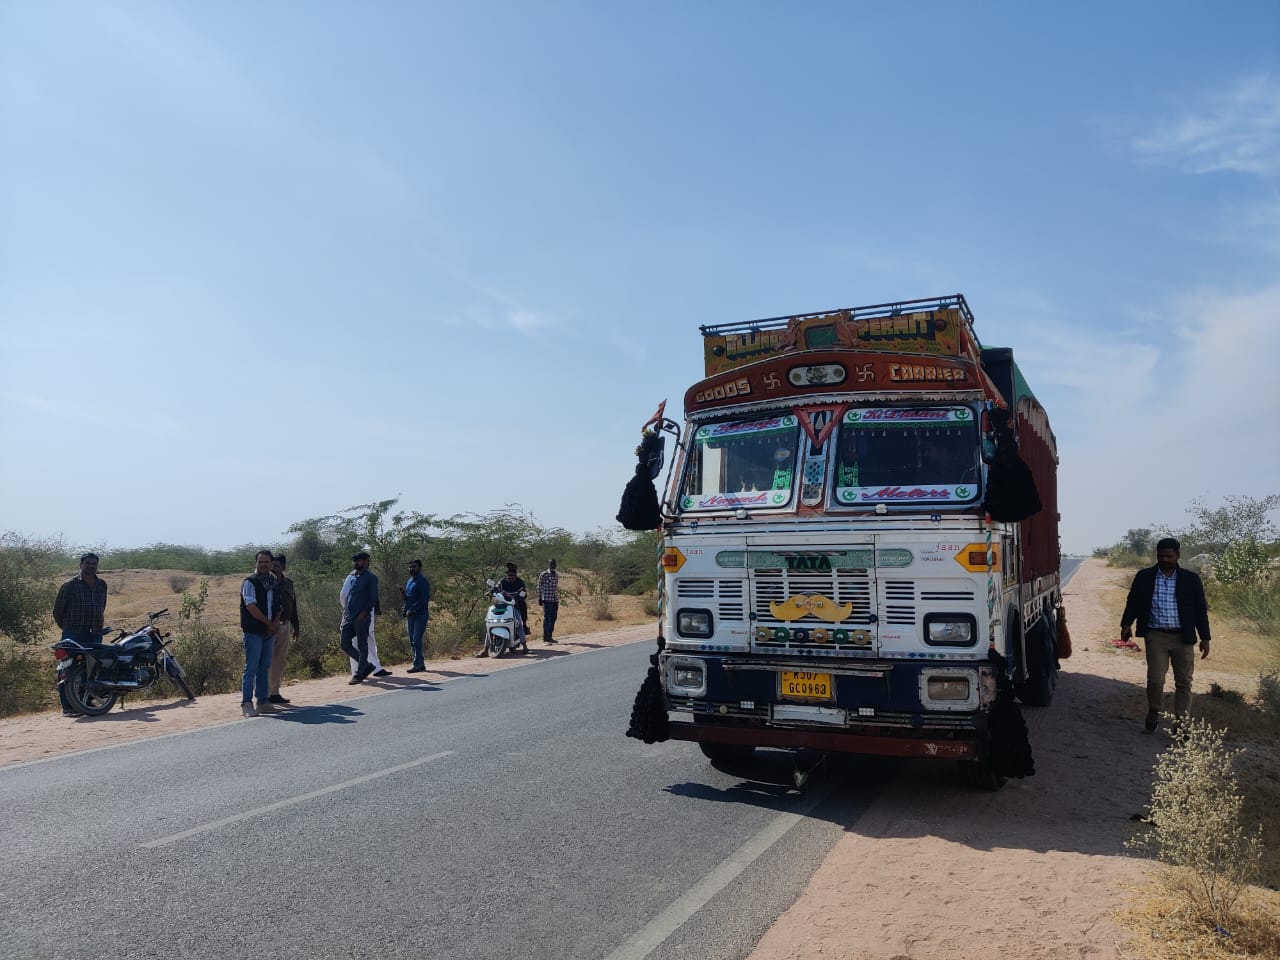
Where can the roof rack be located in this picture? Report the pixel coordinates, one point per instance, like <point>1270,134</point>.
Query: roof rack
<point>874,310</point>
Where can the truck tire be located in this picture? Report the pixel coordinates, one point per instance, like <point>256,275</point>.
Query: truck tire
<point>1042,665</point>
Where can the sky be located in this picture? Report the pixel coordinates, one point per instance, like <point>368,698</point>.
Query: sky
<point>261,262</point>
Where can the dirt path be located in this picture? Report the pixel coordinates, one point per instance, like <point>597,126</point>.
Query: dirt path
<point>936,872</point>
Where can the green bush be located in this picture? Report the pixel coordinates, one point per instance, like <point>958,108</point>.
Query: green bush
<point>1195,824</point>
<point>27,682</point>
<point>1241,562</point>
<point>28,584</point>
<point>1257,602</point>
<point>212,659</point>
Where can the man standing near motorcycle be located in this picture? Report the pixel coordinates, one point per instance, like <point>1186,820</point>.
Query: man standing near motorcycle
<point>288,629</point>
<point>417,598</point>
<point>361,602</point>
<point>259,621</point>
<point>79,611</point>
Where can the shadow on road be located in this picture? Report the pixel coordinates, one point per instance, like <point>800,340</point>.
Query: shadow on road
<point>144,710</point>
<point>323,713</point>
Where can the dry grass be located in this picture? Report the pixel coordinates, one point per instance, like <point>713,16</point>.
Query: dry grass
<point>1161,930</point>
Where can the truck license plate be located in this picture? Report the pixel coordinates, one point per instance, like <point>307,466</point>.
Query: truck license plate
<point>803,685</point>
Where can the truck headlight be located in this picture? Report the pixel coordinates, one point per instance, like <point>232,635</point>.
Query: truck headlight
<point>950,629</point>
<point>948,688</point>
<point>693,623</point>
<point>686,677</point>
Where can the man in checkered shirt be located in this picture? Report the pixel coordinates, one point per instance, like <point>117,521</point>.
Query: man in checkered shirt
<point>549,600</point>
<point>1169,605</point>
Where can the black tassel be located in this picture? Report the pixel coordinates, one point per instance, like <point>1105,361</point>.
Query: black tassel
<point>639,509</point>
<point>649,720</point>
<point>1011,489</point>
<point>1010,746</point>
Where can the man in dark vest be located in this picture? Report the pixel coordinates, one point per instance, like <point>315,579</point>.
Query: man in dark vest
<point>259,621</point>
<point>1169,605</point>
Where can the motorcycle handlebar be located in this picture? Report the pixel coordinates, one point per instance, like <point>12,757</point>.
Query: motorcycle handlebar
<point>157,614</point>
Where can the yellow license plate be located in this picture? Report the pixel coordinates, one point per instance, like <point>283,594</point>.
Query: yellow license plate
<point>803,685</point>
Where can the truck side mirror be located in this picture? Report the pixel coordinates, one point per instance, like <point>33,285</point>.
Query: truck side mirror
<point>657,455</point>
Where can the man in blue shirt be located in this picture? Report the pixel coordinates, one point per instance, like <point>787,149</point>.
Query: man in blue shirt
<point>1168,603</point>
<point>361,601</point>
<point>417,597</point>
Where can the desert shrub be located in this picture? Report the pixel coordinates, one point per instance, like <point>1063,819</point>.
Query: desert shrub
<point>1241,562</point>
<point>27,681</point>
<point>651,604</point>
<point>1195,824</point>
<point>1256,602</point>
<point>28,584</point>
<point>1269,691</point>
<point>213,659</point>
<point>179,582</point>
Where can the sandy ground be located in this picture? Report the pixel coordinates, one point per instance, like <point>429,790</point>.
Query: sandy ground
<point>933,869</point>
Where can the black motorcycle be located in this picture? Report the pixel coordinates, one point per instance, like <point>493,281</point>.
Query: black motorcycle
<point>94,675</point>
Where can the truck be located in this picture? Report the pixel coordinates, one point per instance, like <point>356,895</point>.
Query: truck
<point>836,572</point>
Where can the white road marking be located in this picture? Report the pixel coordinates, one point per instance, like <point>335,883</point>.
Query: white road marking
<point>290,801</point>
<point>646,940</point>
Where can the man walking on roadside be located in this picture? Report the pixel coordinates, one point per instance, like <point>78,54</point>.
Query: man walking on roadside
<point>549,600</point>
<point>259,621</point>
<point>417,600</point>
<point>288,630</point>
<point>79,611</point>
<point>1169,605</point>
<point>374,661</point>
<point>361,601</point>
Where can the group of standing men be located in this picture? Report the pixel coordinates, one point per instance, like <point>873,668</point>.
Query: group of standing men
<point>269,620</point>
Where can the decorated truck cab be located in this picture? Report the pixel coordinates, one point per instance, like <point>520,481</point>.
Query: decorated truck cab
<point>859,541</point>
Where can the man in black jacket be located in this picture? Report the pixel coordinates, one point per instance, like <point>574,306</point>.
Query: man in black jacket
<point>1168,604</point>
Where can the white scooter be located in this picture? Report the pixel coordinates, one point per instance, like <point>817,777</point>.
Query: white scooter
<point>503,629</point>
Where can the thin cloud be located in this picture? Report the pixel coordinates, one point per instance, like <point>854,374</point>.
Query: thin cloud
<point>1234,131</point>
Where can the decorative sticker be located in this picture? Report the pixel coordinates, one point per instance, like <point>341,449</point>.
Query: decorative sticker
<point>887,416</point>
<point>810,605</point>
<point>937,493</point>
<point>717,431</point>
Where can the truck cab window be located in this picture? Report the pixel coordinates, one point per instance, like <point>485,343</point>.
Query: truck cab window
<point>928,454</point>
<point>743,463</point>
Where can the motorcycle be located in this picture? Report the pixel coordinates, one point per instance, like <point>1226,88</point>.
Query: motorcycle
<point>503,629</point>
<point>93,676</point>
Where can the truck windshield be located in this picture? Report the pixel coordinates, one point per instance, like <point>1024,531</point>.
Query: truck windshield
<point>915,455</point>
<point>740,464</point>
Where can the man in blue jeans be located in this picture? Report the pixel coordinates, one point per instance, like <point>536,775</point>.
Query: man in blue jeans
<point>417,597</point>
<point>361,601</point>
<point>259,621</point>
<point>78,611</point>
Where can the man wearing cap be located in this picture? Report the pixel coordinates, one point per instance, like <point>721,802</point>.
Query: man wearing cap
<point>360,604</point>
<point>79,611</point>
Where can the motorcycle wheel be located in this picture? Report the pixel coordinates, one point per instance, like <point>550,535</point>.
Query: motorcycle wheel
<point>497,645</point>
<point>175,674</point>
<point>84,700</point>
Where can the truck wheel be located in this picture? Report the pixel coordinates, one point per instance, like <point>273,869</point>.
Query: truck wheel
<point>1042,667</point>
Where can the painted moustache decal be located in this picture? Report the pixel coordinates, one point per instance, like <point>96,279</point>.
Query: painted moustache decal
<point>812,605</point>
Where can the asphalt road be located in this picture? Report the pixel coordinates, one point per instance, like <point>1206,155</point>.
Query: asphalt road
<point>493,816</point>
